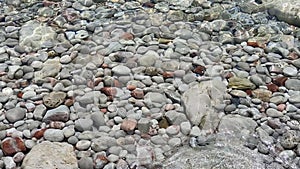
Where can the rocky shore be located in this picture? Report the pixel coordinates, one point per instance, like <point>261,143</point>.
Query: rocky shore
<point>150,84</point>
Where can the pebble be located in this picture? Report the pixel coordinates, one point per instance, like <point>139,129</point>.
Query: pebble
<point>102,78</point>
<point>83,124</point>
<point>9,162</point>
<point>15,114</point>
<point>54,135</point>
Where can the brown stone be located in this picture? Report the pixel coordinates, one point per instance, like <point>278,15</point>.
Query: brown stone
<point>272,87</point>
<point>128,125</point>
<point>39,133</point>
<point>137,93</point>
<point>57,124</point>
<point>148,5</point>
<point>280,81</point>
<point>109,91</point>
<point>163,123</point>
<point>127,36</point>
<point>199,70</point>
<point>10,146</point>
<point>293,55</point>
<point>168,74</point>
<point>69,102</point>
<point>262,94</point>
<point>281,107</point>
<point>131,87</point>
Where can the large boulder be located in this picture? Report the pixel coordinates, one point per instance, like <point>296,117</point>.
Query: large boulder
<point>285,10</point>
<point>34,36</point>
<point>51,156</point>
<point>199,102</point>
<point>215,156</point>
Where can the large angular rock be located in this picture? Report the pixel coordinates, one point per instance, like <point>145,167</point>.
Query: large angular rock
<point>199,102</point>
<point>237,125</point>
<point>51,156</point>
<point>34,35</point>
<point>212,156</point>
<point>285,10</point>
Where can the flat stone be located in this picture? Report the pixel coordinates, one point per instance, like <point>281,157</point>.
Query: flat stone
<point>148,59</point>
<point>121,70</point>
<point>60,113</point>
<point>294,98</point>
<point>54,135</point>
<point>54,99</point>
<point>262,94</point>
<point>240,83</point>
<point>153,99</point>
<point>273,113</point>
<point>15,114</point>
<point>84,124</point>
<point>103,143</point>
<point>290,71</point>
<point>51,156</point>
<point>292,84</point>
<point>50,68</point>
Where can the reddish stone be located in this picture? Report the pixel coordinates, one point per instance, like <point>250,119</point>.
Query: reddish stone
<point>69,102</point>
<point>103,110</point>
<point>280,81</point>
<point>249,92</point>
<point>137,93</point>
<point>148,5</point>
<point>20,94</point>
<point>168,74</point>
<point>169,107</point>
<point>11,146</point>
<point>57,124</point>
<point>101,159</point>
<point>104,65</point>
<point>293,55</point>
<point>199,70</point>
<point>127,36</point>
<point>109,91</point>
<point>2,74</point>
<point>252,43</point>
<point>281,107</point>
<point>131,87</point>
<point>97,81</point>
<point>90,84</point>
<point>117,83</point>
<point>228,75</point>
<point>39,133</point>
<point>128,125</point>
<point>272,87</point>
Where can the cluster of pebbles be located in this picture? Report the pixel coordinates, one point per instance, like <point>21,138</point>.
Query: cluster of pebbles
<point>120,84</point>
